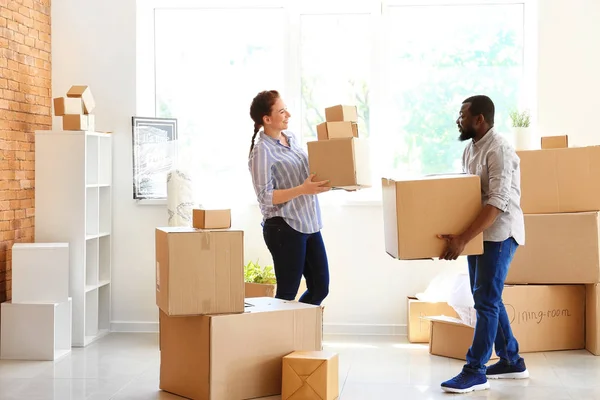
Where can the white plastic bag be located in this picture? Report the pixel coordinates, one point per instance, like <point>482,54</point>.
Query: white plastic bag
<point>180,198</point>
<point>461,299</point>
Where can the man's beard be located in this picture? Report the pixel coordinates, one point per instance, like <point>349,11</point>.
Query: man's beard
<point>467,134</point>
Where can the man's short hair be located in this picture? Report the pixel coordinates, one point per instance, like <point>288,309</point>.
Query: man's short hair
<point>483,105</point>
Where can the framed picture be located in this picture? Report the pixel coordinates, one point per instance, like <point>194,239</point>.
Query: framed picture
<point>154,154</point>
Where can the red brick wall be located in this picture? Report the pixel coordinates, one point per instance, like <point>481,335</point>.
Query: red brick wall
<point>25,106</point>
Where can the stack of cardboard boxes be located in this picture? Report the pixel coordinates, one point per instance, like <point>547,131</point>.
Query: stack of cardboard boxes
<point>339,155</point>
<point>76,109</point>
<point>214,343</point>
<point>551,293</point>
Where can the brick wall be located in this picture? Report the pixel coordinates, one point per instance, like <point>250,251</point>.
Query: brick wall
<point>25,106</point>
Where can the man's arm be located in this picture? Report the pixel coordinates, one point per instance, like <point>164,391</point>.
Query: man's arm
<point>500,170</point>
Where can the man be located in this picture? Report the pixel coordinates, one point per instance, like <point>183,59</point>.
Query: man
<point>493,159</point>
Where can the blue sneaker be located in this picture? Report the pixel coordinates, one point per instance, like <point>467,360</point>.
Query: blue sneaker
<point>466,382</point>
<point>504,370</point>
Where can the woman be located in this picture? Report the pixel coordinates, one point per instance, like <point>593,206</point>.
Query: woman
<point>288,202</point>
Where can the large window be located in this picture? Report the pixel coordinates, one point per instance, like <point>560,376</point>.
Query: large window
<point>407,67</point>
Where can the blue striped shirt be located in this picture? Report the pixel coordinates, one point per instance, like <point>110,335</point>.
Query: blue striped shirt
<point>274,166</point>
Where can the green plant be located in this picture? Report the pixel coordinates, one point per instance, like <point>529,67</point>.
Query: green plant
<point>520,119</point>
<point>254,273</point>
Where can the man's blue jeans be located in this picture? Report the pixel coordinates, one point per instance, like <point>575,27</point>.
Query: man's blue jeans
<point>487,273</point>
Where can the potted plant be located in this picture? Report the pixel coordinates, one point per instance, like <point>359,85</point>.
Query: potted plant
<point>521,130</point>
<point>259,281</point>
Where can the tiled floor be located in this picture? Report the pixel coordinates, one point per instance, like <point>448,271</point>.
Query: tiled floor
<point>126,366</point>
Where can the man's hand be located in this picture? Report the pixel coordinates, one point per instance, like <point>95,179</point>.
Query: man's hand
<point>311,187</point>
<point>455,245</point>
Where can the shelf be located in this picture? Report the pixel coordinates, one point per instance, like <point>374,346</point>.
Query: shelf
<point>91,211</point>
<point>104,207</point>
<point>73,205</point>
<point>105,160</point>
<point>104,308</point>
<point>91,159</point>
<point>91,313</point>
<point>91,263</point>
<point>104,258</point>
<point>101,234</point>
<point>101,284</point>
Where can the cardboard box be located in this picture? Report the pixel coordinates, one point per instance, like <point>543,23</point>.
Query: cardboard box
<point>559,248</point>
<point>592,322</point>
<point>310,375</point>
<point>235,356</point>
<point>67,105</point>
<point>542,318</point>
<point>337,130</point>
<point>211,219</point>
<point>79,122</point>
<point>555,142</point>
<point>560,180</point>
<point>418,327</point>
<point>344,162</point>
<point>451,338</point>
<point>416,211</point>
<point>85,94</point>
<point>259,290</point>
<point>546,317</point>
<point>341,113</point>
<point>199,271</point>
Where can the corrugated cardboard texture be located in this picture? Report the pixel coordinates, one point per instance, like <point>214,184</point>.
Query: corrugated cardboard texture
<point>546,318</point>
<point>450,338</point>
<point>242,358</point>
<point>555,142</point>
<point>341,113</point>
<point>419,328</point>
<point>415,211</point>
<point>337,130</point>
<point>310,375</point>
<point>185,355</point>
<point>560,180</point>
<point>592,323</point>
<point>211,219</point>
<point>259,290</point>
<point>199,272</point>
<point>78,122</point>
<point>85,93</point>
<point>542,318</point>
<point>344,162</point>
<point>559,248</point>
<point>67,105</point>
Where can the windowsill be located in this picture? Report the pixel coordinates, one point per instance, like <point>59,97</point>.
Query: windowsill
<point>151,202</point>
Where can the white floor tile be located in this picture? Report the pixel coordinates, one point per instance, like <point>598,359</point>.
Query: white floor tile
<point>125,366</point>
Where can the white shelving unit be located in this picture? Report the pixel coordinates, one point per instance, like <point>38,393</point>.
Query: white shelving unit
<point>73,178</point>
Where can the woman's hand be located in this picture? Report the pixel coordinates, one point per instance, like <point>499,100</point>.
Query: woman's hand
<point>311,187</point>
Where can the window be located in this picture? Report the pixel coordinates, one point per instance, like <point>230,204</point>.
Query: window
<point>406,66</point>
<point>206,77</point>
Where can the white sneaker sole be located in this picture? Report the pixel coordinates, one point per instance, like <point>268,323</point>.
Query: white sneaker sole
<point>483,386</point>
<point>511,375</point>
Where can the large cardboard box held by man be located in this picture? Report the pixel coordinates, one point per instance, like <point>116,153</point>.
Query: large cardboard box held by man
<point>199,271</point>
<point>542,318</point>
<point>235,356</point>
<point>416,211</point>
<point>560,180</point>
<point>344,162</point>
<point>559,248</point>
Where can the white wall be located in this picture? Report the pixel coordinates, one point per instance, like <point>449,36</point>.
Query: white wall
<point>94,43</point>
<point>569,61</point>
